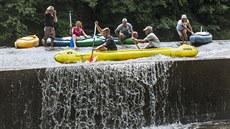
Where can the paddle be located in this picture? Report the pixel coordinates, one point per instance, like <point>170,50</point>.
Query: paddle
<point>94,35</point>
<point>71,44</point>
<point>136,44</point>
<point>70,23</point>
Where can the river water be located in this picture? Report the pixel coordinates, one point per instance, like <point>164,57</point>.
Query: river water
<point>38,57</point>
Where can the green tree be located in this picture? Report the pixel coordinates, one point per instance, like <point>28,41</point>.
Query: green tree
<point>211,15</point>
<point>15,17</point>
<point>26,17</point>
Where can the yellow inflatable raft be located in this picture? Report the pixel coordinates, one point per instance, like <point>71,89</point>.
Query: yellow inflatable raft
<point>27,42</point>
<point>71,56</point>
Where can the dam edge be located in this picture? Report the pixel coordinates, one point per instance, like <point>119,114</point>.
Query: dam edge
<point>203,86</point>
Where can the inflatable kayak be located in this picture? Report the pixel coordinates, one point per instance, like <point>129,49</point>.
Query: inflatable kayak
<point>60,42</point>
<point>126,41</point>
<point>27,42</point>
<point>71,56</point>
<point>65,41</point>
<point>200,38</point>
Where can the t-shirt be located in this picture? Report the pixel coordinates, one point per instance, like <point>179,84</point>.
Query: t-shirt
<point>49,20</point>
<point>110,44</point>
<point>153,40</point>
<point>126,30</point>
<point>77,31</point>
<point>180,23</point>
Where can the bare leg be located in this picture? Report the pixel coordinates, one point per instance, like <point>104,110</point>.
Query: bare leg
<point>121,37</point>
<point>181,36</point>
<point>102,49</point>
<point>46,35</point>
<point>74,41</point>
<point>44,42</point>
<point>185,35</point>
<point>52,43</point>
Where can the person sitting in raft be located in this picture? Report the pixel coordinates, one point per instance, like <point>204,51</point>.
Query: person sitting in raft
<point>109,42</point>
<point>182,27</point>
<point>151,38</point>
<point>124,31</point>
<point>78,33</point>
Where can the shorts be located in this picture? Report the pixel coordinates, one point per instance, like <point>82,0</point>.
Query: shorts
<point>111,49</point>
<point>126,36</point>
<point>79,37</point>
<point>150,47</point>
<point>153,45</point>
<point>49,32</point>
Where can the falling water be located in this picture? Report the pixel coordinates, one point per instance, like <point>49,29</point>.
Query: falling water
<point>158,91</point>
<point>106,96</point>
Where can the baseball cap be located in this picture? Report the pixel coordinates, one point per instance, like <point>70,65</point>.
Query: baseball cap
<point>183,16</point>
<point>124,20</point>
<point>148,28</point>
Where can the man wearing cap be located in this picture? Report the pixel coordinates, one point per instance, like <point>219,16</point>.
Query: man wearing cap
<point>182,27</point>
<point>151,38</point>
<point>109,42</point>
<point>49,31</point>
<point>125,30</point>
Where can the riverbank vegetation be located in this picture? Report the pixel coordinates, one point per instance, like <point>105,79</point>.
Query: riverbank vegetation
<point>26,17</point>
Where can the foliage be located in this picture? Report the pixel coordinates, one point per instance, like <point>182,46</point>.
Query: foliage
<point>25,17</point>
<point>91,3</point>
<point>16,18</point>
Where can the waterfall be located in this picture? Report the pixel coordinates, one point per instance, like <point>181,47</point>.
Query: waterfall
<point>105,96</point>
<point>99,95</point>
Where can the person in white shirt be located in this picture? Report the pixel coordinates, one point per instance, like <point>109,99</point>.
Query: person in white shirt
<point>182,27</point>
<point>151,38</point>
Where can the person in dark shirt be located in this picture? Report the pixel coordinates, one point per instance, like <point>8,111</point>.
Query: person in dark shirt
<point>109,42</point>
<point>49,31</point>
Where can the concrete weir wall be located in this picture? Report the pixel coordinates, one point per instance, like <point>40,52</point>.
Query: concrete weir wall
<point>197,90</point>
<point>20,99</point>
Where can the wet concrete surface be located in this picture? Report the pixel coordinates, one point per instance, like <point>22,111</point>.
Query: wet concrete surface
<point>39,57</point>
